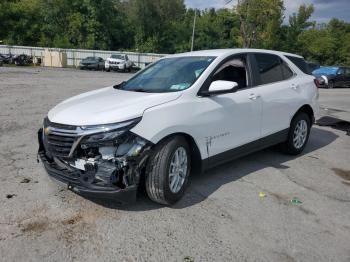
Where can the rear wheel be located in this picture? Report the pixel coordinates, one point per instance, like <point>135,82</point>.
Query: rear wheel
<point>298,134</point>
<point>168,171</point>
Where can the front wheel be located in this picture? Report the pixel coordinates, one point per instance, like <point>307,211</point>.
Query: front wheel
<point>298,134</point>
<point>168,171</point>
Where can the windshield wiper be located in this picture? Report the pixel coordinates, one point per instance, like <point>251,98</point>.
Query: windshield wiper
<point>119,86</point>
<point>141,90</point>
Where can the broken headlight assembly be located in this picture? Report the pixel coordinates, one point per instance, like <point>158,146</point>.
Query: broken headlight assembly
<point>113,152</point>
<point>103,135</point>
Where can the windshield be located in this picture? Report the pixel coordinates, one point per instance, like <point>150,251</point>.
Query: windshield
<point>169,75</point>
<point>117,56</point>
<point>90,58</point>
<point>325,71</point>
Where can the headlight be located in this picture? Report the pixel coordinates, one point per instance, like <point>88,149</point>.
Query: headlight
<point>104,136</point>
<point>95,135</point>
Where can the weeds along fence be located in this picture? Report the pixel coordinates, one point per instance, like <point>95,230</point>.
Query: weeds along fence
<point>74,56</point>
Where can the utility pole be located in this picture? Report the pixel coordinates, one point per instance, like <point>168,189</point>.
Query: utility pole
<point>194,28</point>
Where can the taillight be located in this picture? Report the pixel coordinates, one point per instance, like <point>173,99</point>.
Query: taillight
<point>317,82</point>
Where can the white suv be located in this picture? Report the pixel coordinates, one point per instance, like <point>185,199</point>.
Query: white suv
<point>185,113</point>
<point>119,62</point>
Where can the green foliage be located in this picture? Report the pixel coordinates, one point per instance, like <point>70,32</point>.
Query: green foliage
<point>298,23</point>
<point>164,26</point>
<point>260,21</point>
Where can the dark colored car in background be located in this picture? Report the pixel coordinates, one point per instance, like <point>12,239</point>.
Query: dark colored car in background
<point>333,76</point>
<point>22,60</point>
<point>7,58</point>
<point>96,63</point>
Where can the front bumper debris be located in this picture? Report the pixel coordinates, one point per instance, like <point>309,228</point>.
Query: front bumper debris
<point>116,179</point>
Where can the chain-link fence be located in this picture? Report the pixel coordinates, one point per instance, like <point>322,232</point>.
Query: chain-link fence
<point>74,56</point>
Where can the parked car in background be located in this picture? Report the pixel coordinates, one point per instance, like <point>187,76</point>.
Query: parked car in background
<point>91,62</point>
<point>22,60</point>
<point>333,76</point>
<point>118,62</point>
<point>7,58</point>
<point>184,113</point>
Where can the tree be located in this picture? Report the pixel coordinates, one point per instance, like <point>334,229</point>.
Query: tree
<point>260,21</point>
<point>164,26</point>
<point>298,23</point>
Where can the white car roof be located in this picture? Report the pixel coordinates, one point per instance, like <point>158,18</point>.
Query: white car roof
<point>227,52</point>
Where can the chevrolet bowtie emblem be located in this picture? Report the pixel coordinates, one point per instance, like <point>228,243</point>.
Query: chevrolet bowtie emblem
<point>46,131</point>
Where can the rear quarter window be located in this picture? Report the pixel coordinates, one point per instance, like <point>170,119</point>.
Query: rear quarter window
<point>301,64</point>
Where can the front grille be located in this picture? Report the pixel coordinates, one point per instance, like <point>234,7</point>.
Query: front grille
<point>60,145</point>
<point>59,139</point>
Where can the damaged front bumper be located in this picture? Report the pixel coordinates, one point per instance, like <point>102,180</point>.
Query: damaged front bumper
<point>97,170</point>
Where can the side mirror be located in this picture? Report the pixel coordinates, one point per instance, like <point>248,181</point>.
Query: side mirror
<point>221,87</point>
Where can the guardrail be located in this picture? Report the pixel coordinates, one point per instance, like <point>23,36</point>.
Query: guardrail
<point>74,56</point>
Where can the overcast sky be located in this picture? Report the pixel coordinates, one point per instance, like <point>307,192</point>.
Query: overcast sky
<point>324,9</point>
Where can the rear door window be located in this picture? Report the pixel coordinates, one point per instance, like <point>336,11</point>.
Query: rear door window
<point>272,69</point>
<point>300,63</point>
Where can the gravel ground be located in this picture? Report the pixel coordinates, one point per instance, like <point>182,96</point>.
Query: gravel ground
<point>221,217</point>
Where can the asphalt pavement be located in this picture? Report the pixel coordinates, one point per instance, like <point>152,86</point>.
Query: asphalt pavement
<point>241,211</point>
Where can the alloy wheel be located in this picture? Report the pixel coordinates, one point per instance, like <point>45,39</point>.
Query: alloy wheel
<point>300,134</point>
<point>178,170</point>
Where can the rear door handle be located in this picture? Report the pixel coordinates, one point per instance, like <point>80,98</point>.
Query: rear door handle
<point>254,96</point>
<point>295,87</point>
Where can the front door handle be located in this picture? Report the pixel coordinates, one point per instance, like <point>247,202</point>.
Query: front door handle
<point>254,96</point>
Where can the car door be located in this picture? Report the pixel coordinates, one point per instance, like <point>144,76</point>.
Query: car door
<point>232,119</point>
<point>101,62</point>
<point>128,62</point>
<point>340,78</point>
<point>347,77</point>
<point>280,92</point>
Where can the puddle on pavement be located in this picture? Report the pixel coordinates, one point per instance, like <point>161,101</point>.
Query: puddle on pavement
<point>344,174</point>
<point>335,123</point>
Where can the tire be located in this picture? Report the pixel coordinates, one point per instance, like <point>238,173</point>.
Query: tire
<point>158,178</point>
<point>330,85</point>
<point>293,146</point>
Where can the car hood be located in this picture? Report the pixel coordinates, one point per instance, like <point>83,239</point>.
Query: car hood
<point>88,61</point>
<point>105,106</point>
<point>116,60</point>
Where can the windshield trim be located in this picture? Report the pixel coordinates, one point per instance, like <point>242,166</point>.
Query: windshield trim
<point>121,85</point>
